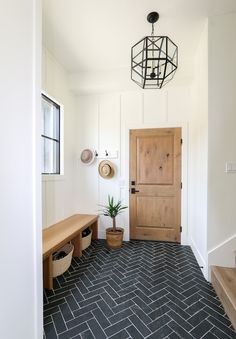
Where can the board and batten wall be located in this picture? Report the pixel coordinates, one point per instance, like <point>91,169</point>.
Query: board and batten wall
<point>103,123</point>
<point>58,193</point>
<point>221,236</point>
<point>198,152</point>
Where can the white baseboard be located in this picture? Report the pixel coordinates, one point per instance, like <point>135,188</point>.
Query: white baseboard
<point>201,261</point>
<point>101,235</point>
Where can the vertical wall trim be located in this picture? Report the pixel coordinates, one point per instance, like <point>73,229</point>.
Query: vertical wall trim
<point>142,108</point>
<point>46,70</point>
<point>187,175</point>
<point>119,155</point>
<point>167,106</point>
<point>46,205</point>
<point>98,128</point>
<point>36,156</point>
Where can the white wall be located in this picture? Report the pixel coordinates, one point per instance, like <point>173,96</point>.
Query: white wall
<point>198,144</point>
<point>118,80</point>
<point>20,186</point>
<point>103,123</point>
<point>58,191</point>
<point>104,120</point>
<point>222,140</point>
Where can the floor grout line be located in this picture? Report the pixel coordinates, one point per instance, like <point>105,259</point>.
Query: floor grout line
<point>164,264</point>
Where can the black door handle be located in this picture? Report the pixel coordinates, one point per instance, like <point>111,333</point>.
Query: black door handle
<point>133,190</point>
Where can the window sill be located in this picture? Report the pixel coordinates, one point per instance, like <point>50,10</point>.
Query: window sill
<point>53,177</point>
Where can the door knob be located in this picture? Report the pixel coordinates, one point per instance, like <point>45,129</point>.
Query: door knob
<point>133,190</point>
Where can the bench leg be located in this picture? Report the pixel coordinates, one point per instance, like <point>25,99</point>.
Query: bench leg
<point>47,273</point>
<point>77,245</point>
<point>94,227</point>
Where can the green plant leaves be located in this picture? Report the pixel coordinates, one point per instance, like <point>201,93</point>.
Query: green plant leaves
<point>112,209</point>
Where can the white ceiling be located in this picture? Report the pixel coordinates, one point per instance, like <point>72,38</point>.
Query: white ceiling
<point>96,35</point>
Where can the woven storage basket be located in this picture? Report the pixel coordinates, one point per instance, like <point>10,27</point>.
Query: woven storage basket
<point>61,265</point>
<point>86,241</point>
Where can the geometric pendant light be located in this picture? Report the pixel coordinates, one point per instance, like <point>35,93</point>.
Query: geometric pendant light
<point>154,59</point>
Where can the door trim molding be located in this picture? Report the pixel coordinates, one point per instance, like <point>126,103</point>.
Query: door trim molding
<point>184,172</point>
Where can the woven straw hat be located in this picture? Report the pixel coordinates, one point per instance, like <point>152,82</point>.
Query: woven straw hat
<point>106,169</point>
<point>87,156</point>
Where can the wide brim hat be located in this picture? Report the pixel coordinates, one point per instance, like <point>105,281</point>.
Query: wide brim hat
<point>106,169</point>
<point>87,156</point>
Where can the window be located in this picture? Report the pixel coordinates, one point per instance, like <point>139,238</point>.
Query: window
<point>51,116</point>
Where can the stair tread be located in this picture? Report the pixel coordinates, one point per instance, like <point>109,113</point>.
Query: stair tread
<point>226,276</point>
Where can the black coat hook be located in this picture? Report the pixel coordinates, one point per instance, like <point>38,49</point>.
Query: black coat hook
<point>106,153</point>
<point>96,154</point>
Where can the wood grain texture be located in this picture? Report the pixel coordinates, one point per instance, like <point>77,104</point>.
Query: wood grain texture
<point>152,211</point>
<point>155,166</point>
<point>61,233</point>
<point>224,283</point>
<point>155,159</point>
<point>47,273</point>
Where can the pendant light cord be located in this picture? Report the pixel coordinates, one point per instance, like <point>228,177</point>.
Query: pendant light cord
<point>152,29</point>
<point>153,62</point>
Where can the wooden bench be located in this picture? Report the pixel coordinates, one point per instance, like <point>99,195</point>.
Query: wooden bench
<point>57,235</point>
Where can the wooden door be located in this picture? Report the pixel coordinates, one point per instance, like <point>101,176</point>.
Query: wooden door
<point>155,175</point>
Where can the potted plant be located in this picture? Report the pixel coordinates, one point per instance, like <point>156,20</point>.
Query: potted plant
<point>114,235</point>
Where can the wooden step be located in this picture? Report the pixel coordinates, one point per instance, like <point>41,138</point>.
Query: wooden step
<point>224,282</point>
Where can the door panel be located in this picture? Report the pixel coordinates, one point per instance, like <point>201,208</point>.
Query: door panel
<point>155,167</point>
<point>155,212</point>
<point>155,160</point>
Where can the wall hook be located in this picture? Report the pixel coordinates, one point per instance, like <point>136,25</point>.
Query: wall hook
<point>106,153</point>
<point>96,153</point>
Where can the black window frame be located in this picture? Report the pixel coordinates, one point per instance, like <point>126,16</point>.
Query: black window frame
<point>58,106</point>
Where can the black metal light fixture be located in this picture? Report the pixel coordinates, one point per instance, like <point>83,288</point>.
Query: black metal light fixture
<point>154,59</point>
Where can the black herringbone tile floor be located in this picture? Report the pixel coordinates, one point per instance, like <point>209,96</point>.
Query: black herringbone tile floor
<point>144,290</point>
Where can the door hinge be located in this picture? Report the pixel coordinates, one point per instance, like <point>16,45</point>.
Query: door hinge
<point>181,185</point>
<point>181,141</point>
<point>180,229</point>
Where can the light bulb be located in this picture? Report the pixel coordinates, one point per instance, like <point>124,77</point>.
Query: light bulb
<point>153,74</point>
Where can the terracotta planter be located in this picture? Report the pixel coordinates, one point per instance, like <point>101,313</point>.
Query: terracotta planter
<point>114,239</point>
